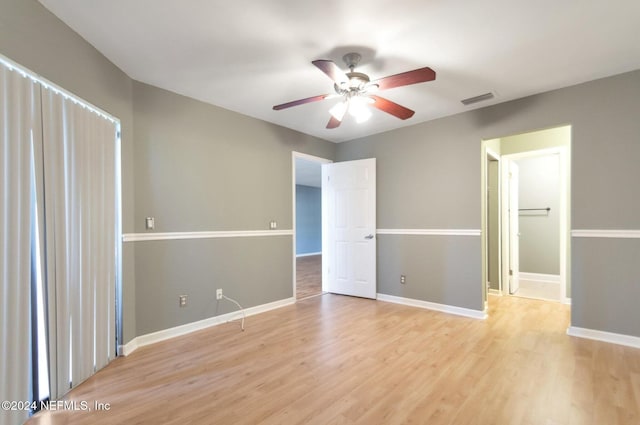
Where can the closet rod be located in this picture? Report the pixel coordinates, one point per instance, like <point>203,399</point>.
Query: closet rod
<point>535,209</point>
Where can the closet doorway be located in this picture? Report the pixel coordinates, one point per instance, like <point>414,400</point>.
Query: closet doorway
<point>526,215</point>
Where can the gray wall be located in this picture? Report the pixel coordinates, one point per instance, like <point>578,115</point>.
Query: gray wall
<point>606,285</point>
<point>493,220</point>
<point>429,177</point>
<point>253,271</point>
<point>202,168</point>
<point>432,269</point>
<point>539,187</point>
<point>308,219</point>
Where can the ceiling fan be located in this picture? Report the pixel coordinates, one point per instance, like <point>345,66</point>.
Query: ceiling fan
<point>357,91</point>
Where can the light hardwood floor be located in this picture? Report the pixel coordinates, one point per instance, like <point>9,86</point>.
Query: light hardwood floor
<point>343,360</point>
<point>308,276</point>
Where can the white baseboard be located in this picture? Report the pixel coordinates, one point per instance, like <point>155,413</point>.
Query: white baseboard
<point>460,311</point>
<point>498,293</point>
<point>142,340</point>
<point>128,348</point>
<point>308,254</point>
<point>540,277</point>
<point>613,338</point>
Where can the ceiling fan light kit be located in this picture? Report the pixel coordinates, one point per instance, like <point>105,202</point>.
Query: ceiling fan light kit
<point>358,108</point>
<point>356,105</point>
<point>339,110</point>
<point>357,91</point>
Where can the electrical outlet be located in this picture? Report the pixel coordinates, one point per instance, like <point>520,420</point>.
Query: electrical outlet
<point>183,300</point>
<point>403,279</point>
<point>218,294</point>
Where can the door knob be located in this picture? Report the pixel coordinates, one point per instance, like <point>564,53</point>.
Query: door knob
<point>369,237</point>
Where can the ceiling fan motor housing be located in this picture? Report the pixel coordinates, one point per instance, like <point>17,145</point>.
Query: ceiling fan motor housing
<point>352,60</point>
<point>356,83</point>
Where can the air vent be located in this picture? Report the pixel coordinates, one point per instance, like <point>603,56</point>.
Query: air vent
<point>477,99</point>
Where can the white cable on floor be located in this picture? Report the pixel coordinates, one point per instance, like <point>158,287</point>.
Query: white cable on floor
<point>239,306</point>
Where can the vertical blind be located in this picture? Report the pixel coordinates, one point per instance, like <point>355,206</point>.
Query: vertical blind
<point>76,155</point>
<point>18,116</point>
<point>81,215</point>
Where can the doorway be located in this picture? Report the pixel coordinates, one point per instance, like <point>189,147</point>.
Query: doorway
<point>341,237</point>
<point>307,225</point>
<point>527,242</point>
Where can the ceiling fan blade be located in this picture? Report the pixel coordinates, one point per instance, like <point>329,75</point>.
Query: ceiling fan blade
<point>392,108</point>
<point>332,70</point>
<point>334,122</point>
<point>421,75</point>
<point>300,102</point>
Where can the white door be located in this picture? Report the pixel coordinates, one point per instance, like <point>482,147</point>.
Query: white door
<point>349,227</point>
<point>514,229</point>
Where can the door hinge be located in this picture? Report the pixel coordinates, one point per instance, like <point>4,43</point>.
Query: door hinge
<point>510,272</point>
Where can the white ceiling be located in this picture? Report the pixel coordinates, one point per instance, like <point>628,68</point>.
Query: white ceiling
<point>247,55</point>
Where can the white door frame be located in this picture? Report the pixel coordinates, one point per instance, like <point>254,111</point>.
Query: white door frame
<point>511,274</point>
<point>491,155</point>
<point>562,151</point>
<point>295,155</point>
